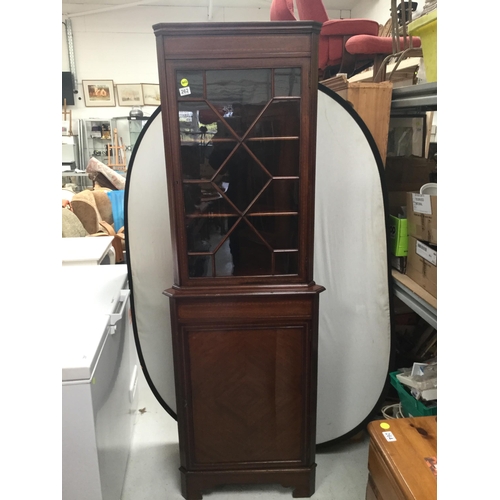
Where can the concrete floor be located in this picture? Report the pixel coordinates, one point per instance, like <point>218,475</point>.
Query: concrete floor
<point>152,471</point>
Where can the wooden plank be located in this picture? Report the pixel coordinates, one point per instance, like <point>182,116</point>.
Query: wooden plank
<point>408,66</point>
<point>416,289</point>
<point>372,102</point>
<point>429,116</point>
<point>336,83</point>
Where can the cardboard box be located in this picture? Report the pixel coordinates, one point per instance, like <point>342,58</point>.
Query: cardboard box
<point>404,174</point>
<point>398,236</point>
<point>421,265</point>
<point>421,211</point>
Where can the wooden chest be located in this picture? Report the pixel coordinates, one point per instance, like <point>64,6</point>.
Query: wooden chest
<point>402,459</point>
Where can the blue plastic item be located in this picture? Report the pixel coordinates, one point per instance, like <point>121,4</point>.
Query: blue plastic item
<point>117,203</point>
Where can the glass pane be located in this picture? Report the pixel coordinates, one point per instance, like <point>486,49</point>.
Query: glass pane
<point>279,196</point>
<point>201,162</point>
<point>198,124</point>
<point>205,234</point>
<point>211,235</point>
<point>242,86</point>
<point>280,232</point>
<point>245,178</point>
<point>198,234</point>
<point>200,266</point>
<point>287,82</point>
<point>199,158</point>
<point>189,84</point>
<point>188,127</point>
<point>216,155</point>
<point>192,198</point>
<point>286,262</point>
<point>192,157</point>
<point>251,256</point>
<point>203,199</point>
<point>224,260</point>
<point>280,119</point>
<point>279,157</point>
<point>239,94</point>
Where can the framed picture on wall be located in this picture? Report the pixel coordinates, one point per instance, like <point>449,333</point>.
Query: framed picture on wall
<point>151,92</point>
<point>98,93</point>
<point>129,94</point>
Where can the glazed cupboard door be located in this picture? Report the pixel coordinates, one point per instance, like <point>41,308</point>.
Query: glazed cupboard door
<point>239,141</point>
<point>239,117</point>
<point>240,138</point>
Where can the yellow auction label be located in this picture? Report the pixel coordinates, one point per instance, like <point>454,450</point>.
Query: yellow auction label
<point>385,425</point>
<point>184,82</point>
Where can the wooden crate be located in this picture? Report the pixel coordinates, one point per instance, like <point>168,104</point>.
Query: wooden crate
<point>372,102</point>
<point>402,459</point>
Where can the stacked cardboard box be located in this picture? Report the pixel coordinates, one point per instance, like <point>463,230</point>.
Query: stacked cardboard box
<point>403,175</point>
<point>422,240</point>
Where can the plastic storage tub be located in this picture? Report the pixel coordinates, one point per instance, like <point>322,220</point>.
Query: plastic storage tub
<point>410,406</point>
<point>425,27</point>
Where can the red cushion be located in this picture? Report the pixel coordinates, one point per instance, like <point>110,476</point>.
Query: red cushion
<point>335,49</point>
<point>332,34</point>
<point>366,44</point>
<point>349,27</point>
<point>282,10</point>
<point>323,60</point>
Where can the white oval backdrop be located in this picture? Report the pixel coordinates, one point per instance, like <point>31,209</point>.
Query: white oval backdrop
<point>350,261</point>
<point>150,260</point>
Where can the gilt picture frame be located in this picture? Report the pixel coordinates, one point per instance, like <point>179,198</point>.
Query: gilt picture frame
<point>151,92</point>
<point>129,94</point>
<point>99,93</point>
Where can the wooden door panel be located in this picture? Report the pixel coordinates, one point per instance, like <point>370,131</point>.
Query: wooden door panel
<point>247,393</point>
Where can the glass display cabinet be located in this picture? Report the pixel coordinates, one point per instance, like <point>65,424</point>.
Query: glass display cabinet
<point>94,136</point>
<point>239,102</point>
<point>128,131</point>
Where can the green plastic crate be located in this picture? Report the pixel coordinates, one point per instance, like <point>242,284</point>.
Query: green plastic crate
<point>410,406</point>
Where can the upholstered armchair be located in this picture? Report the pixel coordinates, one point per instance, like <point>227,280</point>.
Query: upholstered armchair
<point>352,45</point>
<point>282,10</point>
<point>334,35</point>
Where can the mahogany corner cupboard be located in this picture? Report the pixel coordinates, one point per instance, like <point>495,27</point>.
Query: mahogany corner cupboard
<point>239,121</point>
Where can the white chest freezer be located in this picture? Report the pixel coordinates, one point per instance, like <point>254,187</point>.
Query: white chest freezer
<point>87,251</point>
<point>99,380</point>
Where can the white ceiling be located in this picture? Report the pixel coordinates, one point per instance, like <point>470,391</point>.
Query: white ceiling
<point>82,5</point>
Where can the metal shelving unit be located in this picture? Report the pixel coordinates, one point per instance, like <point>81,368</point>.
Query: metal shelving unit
<point>408,101</point>
<point>414,99</point>
<point>80,179</point>
<point>415,298</point>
